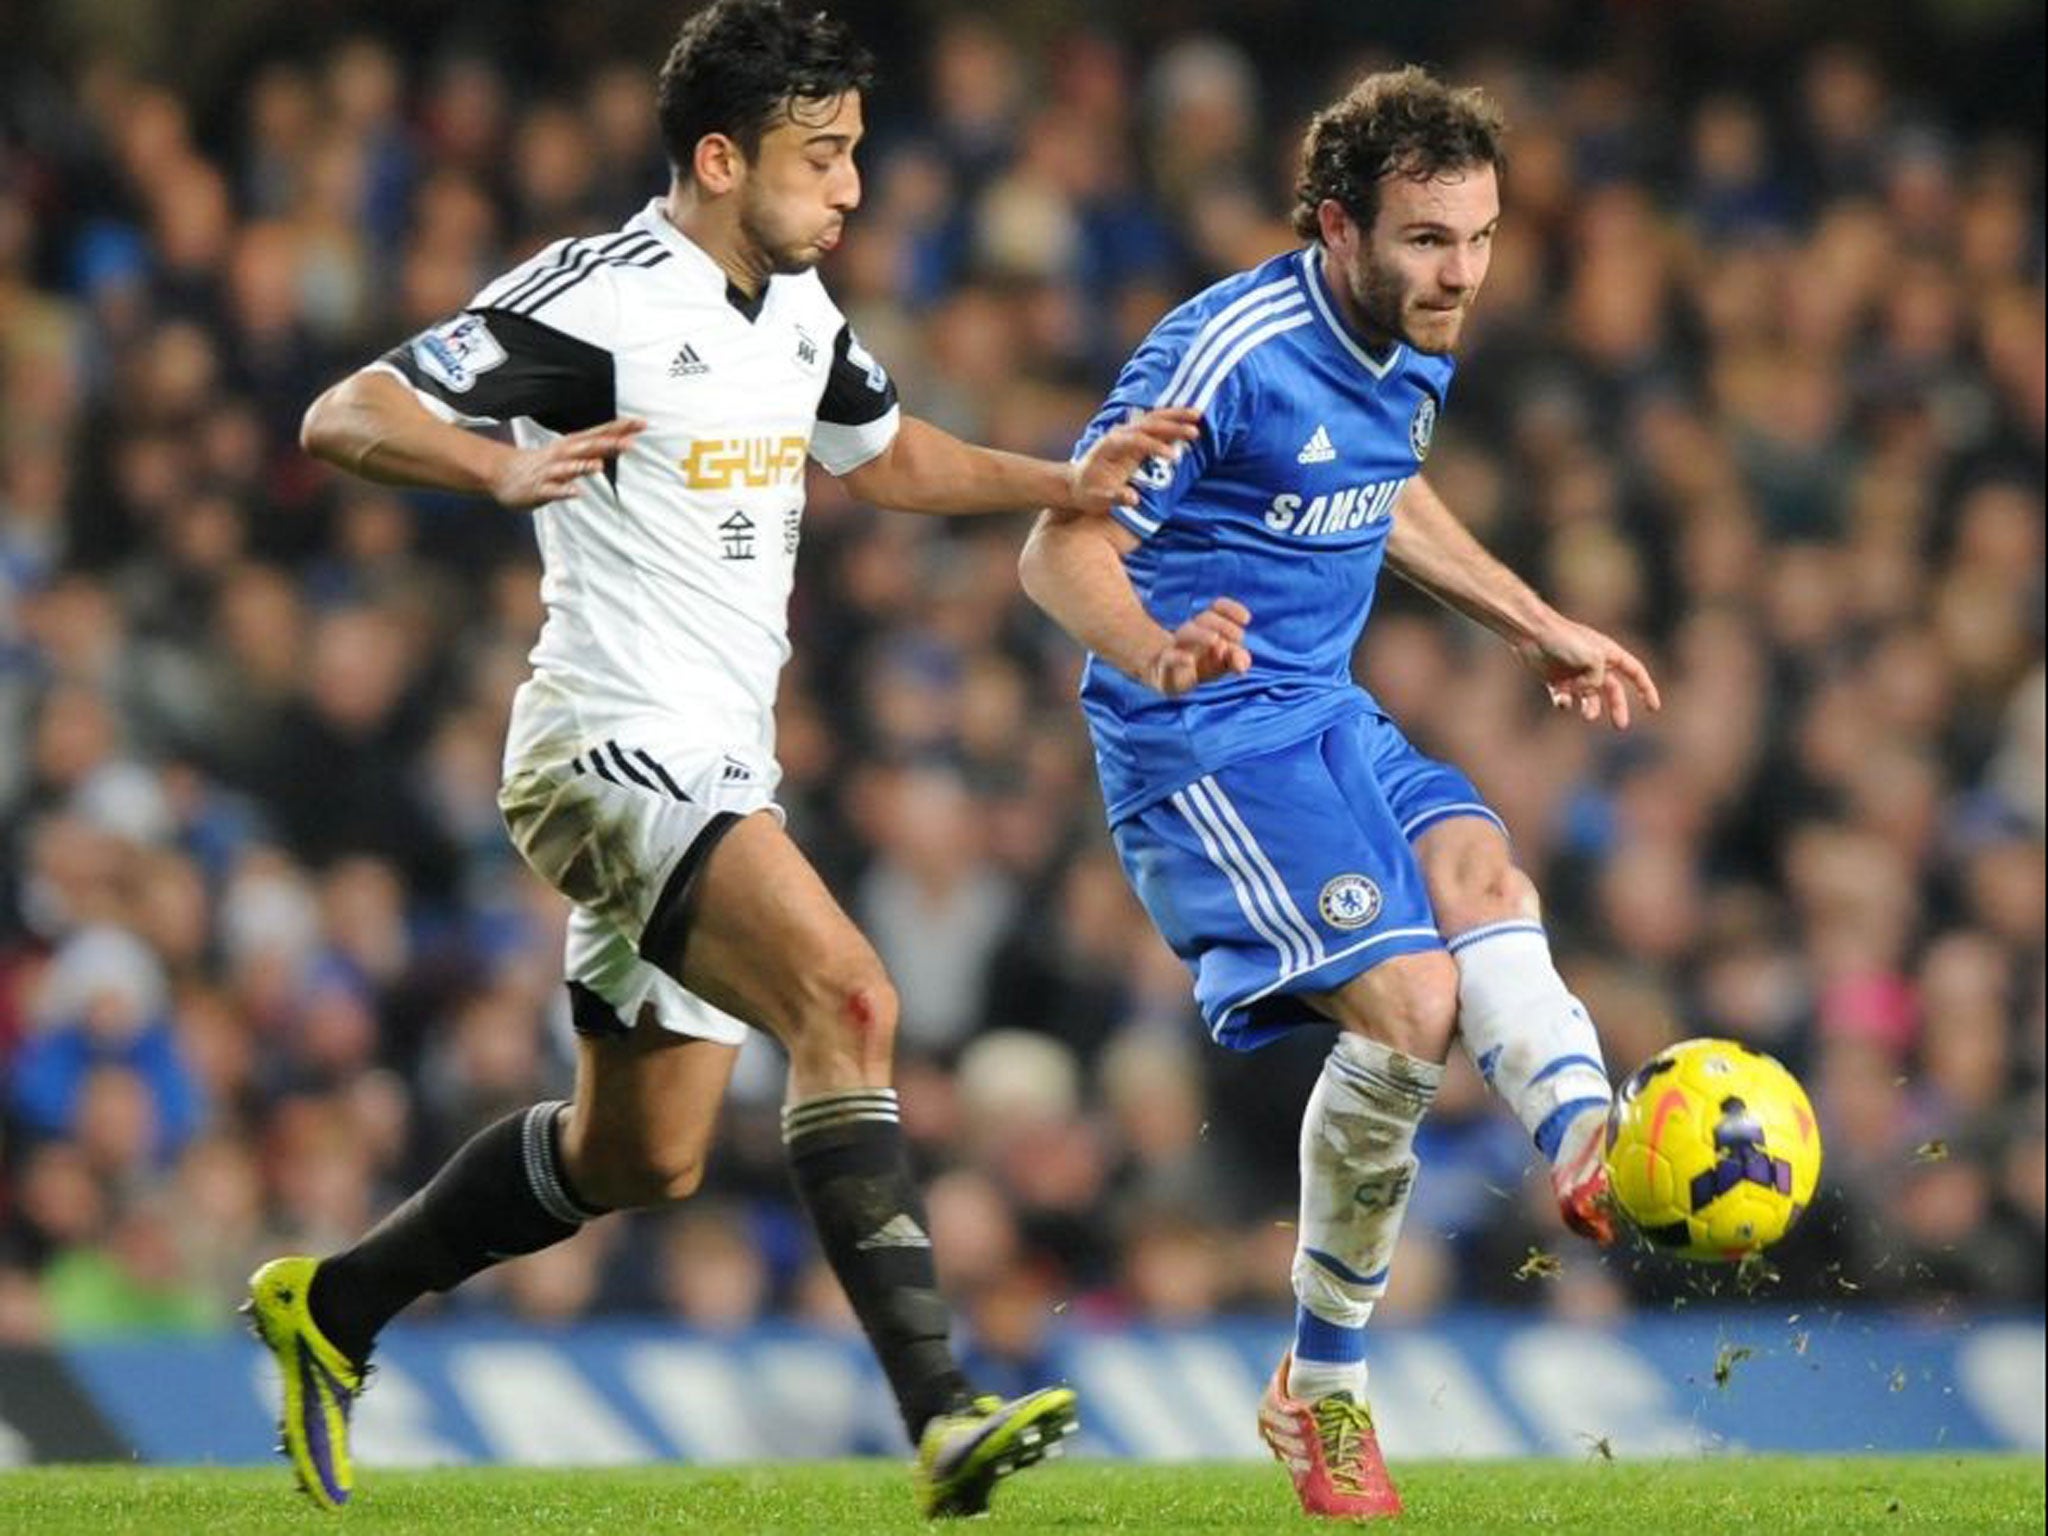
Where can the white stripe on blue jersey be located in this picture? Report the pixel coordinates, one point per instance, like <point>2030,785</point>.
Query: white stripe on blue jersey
<point>1200,364</point>
<point>1299,317</point>
<point>1225,320</point>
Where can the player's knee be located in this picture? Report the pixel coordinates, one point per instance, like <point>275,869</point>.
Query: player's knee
<point>628,1177</point>
<point>859,1008</point>
<point>845,1020</point>
<point>672,1174</point>
<point>1484,890</point>
<point>1516,893</point>
<point>1421,1006</point>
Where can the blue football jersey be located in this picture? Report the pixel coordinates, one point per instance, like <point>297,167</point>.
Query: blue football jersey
<point>1283,503</point>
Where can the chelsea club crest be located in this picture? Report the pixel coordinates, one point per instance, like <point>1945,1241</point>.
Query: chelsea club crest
<point>1349,901</point>
<point>1422,427</point>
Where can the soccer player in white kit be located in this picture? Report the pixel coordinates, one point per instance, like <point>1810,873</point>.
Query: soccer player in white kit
<point>666,384</point>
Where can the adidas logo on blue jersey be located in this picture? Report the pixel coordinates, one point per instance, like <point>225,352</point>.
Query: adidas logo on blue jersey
<point>686,364</point>
<point>1318,449</point>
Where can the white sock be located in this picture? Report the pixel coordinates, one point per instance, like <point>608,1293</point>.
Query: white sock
<point>1357,1168</point>
<point>1530,1038</point>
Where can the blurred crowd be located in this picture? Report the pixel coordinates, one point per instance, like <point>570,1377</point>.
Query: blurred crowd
<point>1757,382</point>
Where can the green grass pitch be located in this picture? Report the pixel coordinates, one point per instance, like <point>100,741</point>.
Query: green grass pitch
<point>1776,1495</point>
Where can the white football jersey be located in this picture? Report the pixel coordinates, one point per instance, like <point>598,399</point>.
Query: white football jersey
<point>666,579</point>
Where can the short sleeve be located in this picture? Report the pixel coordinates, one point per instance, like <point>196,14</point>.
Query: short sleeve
<point>1152,371</point>
<point>858,414</point>
<point>490,365</point>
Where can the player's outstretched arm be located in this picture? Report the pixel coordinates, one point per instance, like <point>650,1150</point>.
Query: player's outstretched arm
<point>372,424</point>
<point>927,469</point>
<point>1073,568</point>
<point>1582,669</point>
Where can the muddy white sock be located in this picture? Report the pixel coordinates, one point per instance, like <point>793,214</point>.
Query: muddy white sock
<point>1357,1169</point>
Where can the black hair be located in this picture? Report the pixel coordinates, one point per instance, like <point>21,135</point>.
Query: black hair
<point>1404,122</point>
<point>738,66</point>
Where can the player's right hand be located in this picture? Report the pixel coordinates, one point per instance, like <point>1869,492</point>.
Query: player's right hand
<point>533,477</point>
<point>1210,645</point>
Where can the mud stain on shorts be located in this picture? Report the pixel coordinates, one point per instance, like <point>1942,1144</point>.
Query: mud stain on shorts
<point>560,828</point>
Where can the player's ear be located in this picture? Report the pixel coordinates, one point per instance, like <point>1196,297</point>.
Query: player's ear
<point>717,164</point>
<point>1340,231</point>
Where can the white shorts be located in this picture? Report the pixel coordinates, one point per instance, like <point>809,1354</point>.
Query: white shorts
<point>617,817</point>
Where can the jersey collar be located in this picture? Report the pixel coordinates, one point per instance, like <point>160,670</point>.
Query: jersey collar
<point>1317,283</point>
<point>697,262</point>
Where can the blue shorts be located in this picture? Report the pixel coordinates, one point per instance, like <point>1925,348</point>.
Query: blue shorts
<point>1294,871</point>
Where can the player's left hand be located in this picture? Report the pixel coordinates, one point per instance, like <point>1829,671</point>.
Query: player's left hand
<point>1587,671</point>
<point>1207,646</point>
<point>1101,477</point>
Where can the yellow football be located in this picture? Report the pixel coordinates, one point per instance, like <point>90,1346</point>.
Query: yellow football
<point>1712,1150</point>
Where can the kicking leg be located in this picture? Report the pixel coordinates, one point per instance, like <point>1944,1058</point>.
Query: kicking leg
<point>1531,1039</point>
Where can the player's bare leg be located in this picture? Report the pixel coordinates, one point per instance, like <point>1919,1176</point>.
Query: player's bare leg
<point>767,943</point>
<point>1531,1039</point>
<point>639,1130</point>
<point>1357,1169</point>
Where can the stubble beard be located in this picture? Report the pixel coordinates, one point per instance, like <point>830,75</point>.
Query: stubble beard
<point>1383,305</point>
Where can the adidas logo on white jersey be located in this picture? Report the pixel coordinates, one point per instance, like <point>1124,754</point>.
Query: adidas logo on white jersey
<point>1318,449</point>
<point>686,364</point>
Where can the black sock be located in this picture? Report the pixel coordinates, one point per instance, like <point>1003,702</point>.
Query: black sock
<point>846,1151</point>
<point>502,1194</point>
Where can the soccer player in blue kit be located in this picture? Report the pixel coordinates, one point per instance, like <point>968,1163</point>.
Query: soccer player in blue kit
<point>1307,862</point>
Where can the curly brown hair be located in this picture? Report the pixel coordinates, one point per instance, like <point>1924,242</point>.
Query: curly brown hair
<point>1404,122</point>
